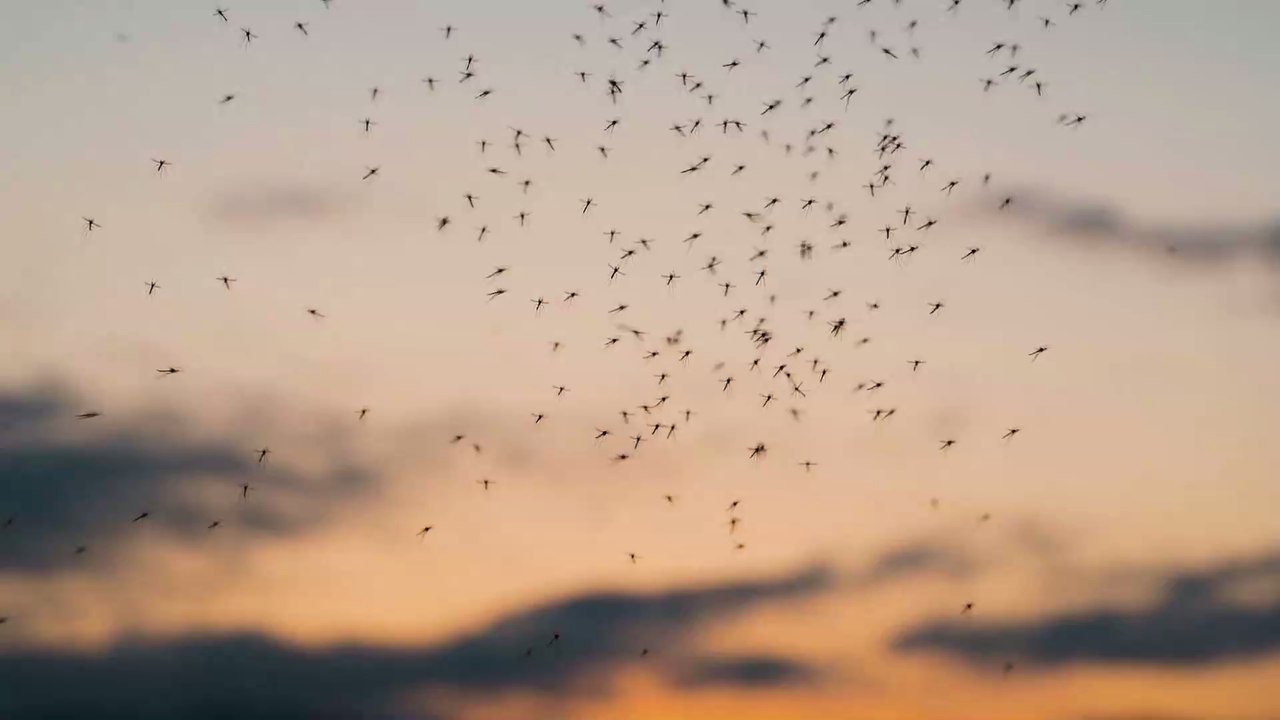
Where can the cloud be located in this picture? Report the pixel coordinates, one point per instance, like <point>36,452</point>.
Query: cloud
<point>753,671</point>
<point>1103,223</point>
<point>264,203</point>
<point>1224,613</point>
<point>914,558</point>
<point>69,482</point>
<point>253,676</point>
<point>32,406</point>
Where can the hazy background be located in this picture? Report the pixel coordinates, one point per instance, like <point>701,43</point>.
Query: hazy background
<point>1129,567</point>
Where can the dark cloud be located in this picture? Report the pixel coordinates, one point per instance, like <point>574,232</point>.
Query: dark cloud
<point>1199,617</point>
<point>35,405</point>
<point>69,482</point>
<point>753,671</point>
<point>251,676</point>
<point>1103,223</point>
<point>263,203</point>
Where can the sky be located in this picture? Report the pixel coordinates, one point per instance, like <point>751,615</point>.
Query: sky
<point>1116,559</point>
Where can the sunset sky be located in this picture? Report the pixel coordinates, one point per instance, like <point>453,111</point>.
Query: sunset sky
<point>1121,552</point>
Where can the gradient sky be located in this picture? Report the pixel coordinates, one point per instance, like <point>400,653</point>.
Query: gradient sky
<point>1130,563</point>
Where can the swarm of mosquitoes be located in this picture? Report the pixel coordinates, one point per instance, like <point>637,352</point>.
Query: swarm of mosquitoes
<point>790,374</point>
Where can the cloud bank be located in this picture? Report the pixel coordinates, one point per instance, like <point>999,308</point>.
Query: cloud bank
<point>254,676</point>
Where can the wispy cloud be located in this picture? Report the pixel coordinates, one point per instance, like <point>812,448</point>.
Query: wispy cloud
<point>34,405</point>
<point>911,559</point>
<point>259,203</point>
<point>70,482</point>
<point>1199,617</point>
<point>1108,225</point>
<point>752,671</point>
